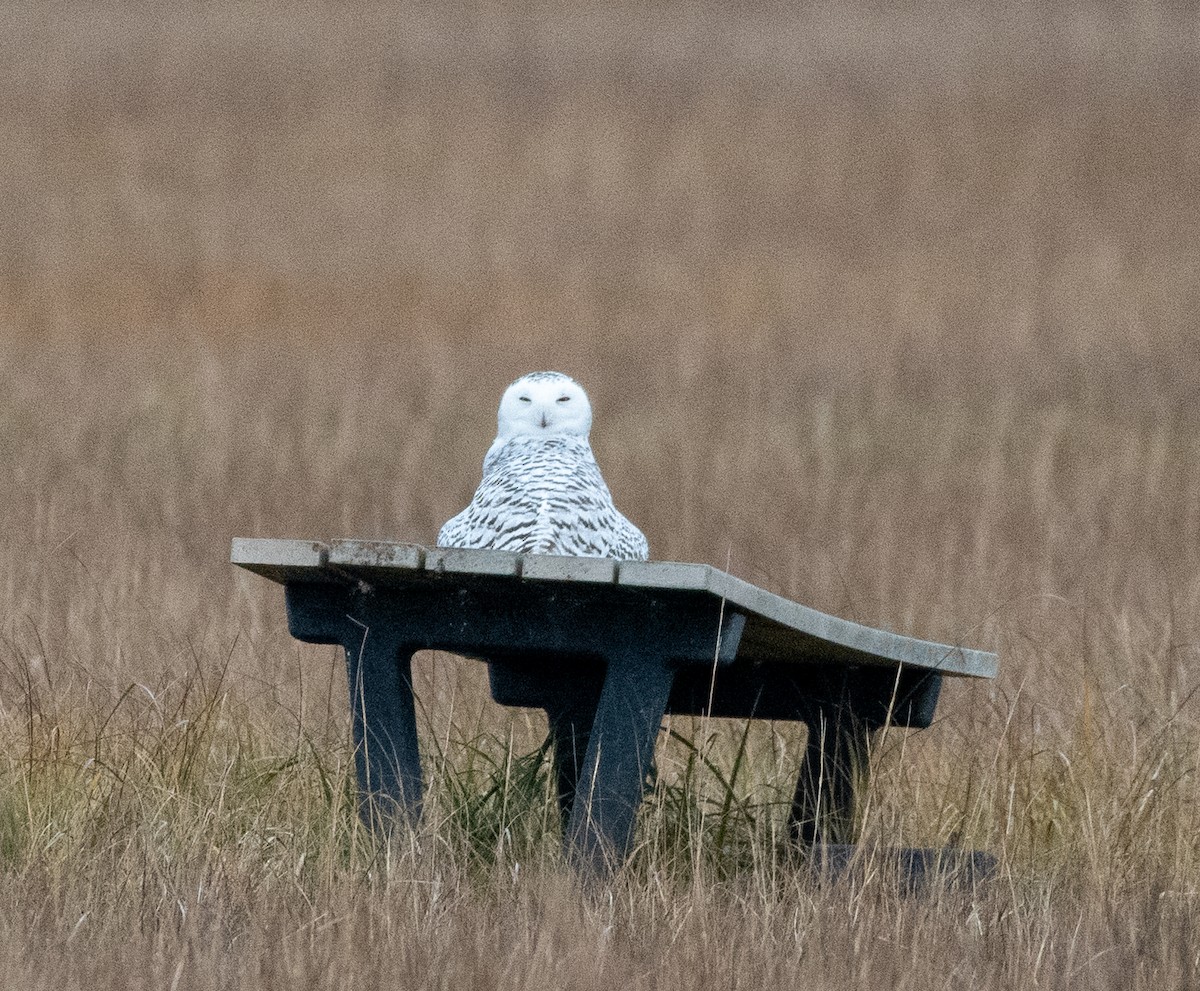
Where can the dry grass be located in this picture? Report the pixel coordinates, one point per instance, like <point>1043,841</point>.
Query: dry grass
<point>892,311</point>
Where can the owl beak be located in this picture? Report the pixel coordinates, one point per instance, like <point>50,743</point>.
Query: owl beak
<point>544,422</point>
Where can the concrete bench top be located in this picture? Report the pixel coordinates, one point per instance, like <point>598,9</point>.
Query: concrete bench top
<point>776,628</point>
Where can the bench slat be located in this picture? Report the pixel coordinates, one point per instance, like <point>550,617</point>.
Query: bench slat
<point>559,568</point>
<point>280,560</point>
<point>459,561</point>
<point>376,561</point>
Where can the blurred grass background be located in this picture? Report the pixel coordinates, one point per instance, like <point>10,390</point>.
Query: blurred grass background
<point>888,308</point>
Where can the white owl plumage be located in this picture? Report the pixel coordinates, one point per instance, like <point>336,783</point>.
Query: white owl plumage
<point>542,491</point>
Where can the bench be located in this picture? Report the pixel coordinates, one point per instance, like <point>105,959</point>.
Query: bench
<point>606,649</point>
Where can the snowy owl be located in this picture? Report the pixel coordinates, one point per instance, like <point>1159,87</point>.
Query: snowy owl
<point>542,491</point>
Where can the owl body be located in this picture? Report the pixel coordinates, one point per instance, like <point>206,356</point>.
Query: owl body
<point>542,491</point>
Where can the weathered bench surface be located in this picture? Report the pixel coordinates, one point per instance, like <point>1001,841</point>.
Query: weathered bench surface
<point>777,629</point>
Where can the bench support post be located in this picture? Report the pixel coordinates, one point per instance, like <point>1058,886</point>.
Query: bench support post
<point>384,725</point>
<point>571,718</point>
<point>620,753</point>
<point>382,713</point>
<point>836,763</point>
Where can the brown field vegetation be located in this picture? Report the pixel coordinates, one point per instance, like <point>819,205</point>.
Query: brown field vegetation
<point>888,308</point>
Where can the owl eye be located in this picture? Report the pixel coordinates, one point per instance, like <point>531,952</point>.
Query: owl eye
<point>525,399</point>
<point>564,399</point>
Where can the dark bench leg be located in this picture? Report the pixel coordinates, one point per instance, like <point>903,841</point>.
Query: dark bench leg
<point>571,718</point>
<point>387,757</point>
<point>835,764</point>
<point>620,750</point>
<point>379,669</point>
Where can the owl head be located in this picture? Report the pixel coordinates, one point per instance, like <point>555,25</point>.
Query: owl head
<point>544,404</point>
